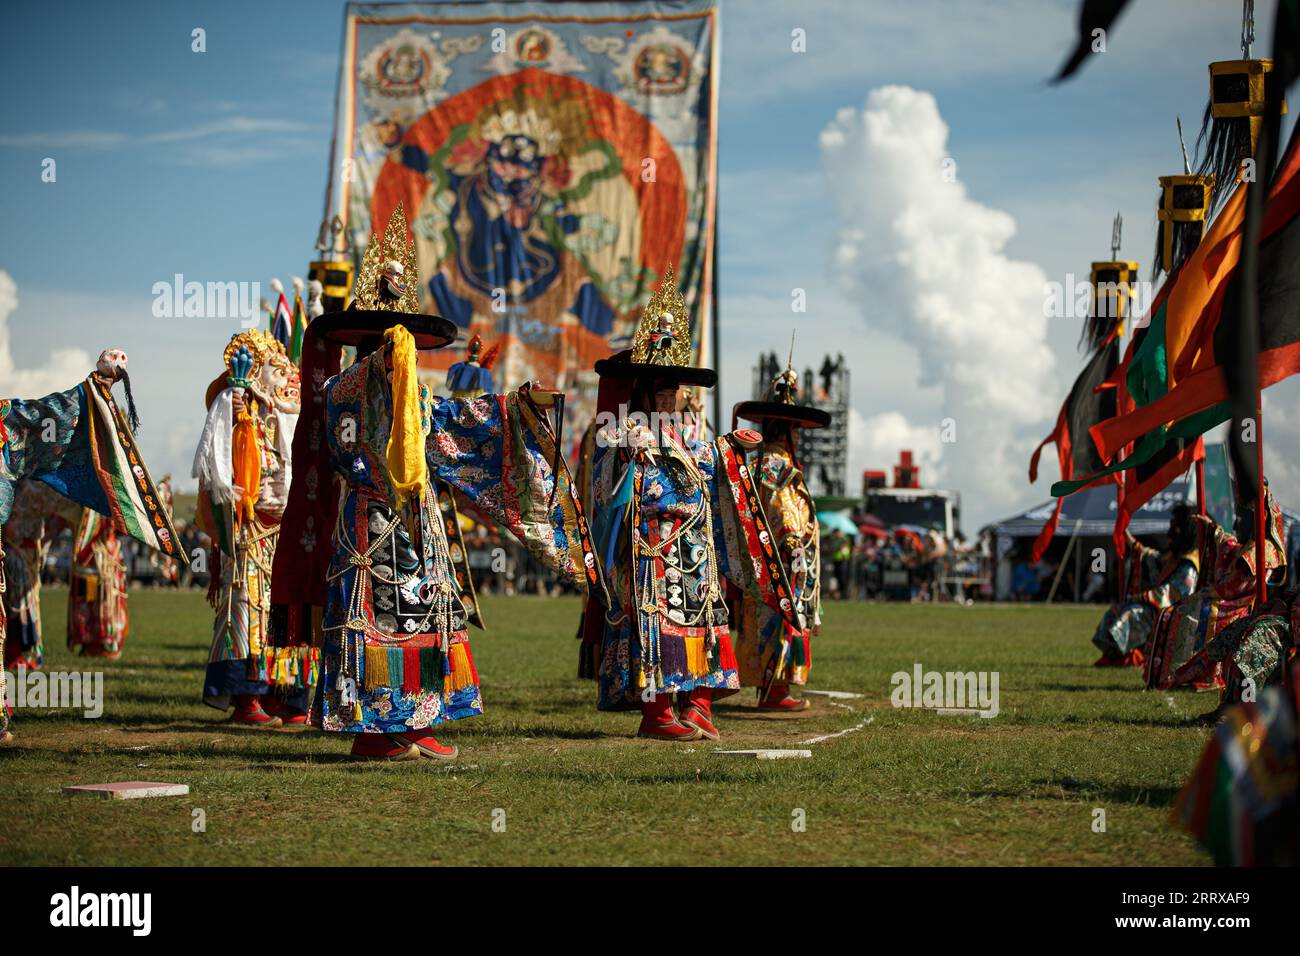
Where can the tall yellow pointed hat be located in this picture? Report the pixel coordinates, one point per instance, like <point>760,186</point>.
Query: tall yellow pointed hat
<point>386,294</point>
<point>661,346</point>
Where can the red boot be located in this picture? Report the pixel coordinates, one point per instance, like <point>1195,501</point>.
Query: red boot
<point>697,712</point>
<point>659,723</point>
<point>426,744</point>
<point>1109,660</point>
<point>248,710</point>
<point>1135,658</point>
<point>383,747</point>
<point>289,716</point>
<point>779,699</point>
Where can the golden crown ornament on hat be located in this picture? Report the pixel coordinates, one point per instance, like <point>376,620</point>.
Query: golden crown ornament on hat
<point>663,336</point>
<point>386,294</point>
<point>661,345</point>
<point>389,279</point>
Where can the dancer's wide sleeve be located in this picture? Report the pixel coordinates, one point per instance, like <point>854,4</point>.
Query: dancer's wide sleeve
<point>499,450</point>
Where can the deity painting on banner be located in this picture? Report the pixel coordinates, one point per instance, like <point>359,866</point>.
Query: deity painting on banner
<point>550,168</point>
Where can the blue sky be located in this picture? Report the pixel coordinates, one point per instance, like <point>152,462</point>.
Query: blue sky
<point>213,165</point>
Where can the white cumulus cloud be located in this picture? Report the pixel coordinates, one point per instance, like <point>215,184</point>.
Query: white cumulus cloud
<point>926,262</point>
<point>64,368</point>
<point>875,443</point>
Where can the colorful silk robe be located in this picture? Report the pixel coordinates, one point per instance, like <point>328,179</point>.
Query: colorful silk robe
<point>1241,801</point>
<point>241,659</point>
<point>671,524</point>
<point>38,515</point>
<point>1160,582</point>
<point>1250,653</point>
<point>97,611</point>
<point>78,443</point>
<point>396,653</point>
<point>1225,595</point>
<point>24,556</point>
<point>768,649</point>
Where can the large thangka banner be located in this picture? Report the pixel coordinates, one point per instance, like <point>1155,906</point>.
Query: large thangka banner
<point>553,158</point>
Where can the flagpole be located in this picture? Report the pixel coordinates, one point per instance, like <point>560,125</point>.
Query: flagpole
<point>1200,485</point>
<point>1261,509</point>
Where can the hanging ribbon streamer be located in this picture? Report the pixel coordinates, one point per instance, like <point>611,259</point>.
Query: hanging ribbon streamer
<point>246,462</point>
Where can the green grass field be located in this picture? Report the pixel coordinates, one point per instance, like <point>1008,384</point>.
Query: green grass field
<point>576,787</point>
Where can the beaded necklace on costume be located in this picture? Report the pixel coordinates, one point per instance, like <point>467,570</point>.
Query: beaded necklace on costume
<point>435,567</point>
<point>650,590</point>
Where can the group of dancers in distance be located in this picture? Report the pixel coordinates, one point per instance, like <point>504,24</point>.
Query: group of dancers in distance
<point>331,490</point>
<point>1189,620</point>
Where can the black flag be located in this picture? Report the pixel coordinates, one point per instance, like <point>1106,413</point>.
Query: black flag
<point>1093,15</point>
<point>1241,345</point>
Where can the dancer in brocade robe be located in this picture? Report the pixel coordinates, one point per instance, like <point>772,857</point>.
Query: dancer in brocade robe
<point>1157,580</point>
<point>1252,653</point>
<point>1177,655</point>
<point>1241,800</point>
<point>242,464</point>
<point>396,660</point>
<point>39,515</point>
<point>674,518</point>
<point>79,444</point>
<point>97,611</point>
<point>772,654</point>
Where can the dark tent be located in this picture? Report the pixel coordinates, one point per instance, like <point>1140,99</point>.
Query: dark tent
<point>1093,510</point>
<point>1089,515</point>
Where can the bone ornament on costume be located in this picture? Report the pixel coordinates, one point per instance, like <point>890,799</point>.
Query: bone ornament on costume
<point>78,443</point>
<point>773,653</point>
<point>396,656</point>
<point>243,467</point>
<point>674,519</point>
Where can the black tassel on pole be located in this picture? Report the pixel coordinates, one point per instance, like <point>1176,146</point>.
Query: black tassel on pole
<point>132,417</point>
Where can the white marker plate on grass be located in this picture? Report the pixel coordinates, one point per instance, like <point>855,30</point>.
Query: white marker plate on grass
<point>832,694</point>
<point>763,754</point>
<point>128,790</point>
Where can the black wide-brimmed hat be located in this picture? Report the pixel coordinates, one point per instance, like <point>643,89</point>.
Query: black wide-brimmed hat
<point>804,416</point>
<point>661,345</point>
<point>384,295</point>
<point>622,366</point>
<point>362,327</point>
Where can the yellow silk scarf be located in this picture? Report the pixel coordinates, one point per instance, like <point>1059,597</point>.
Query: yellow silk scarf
<point>408,472</point>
